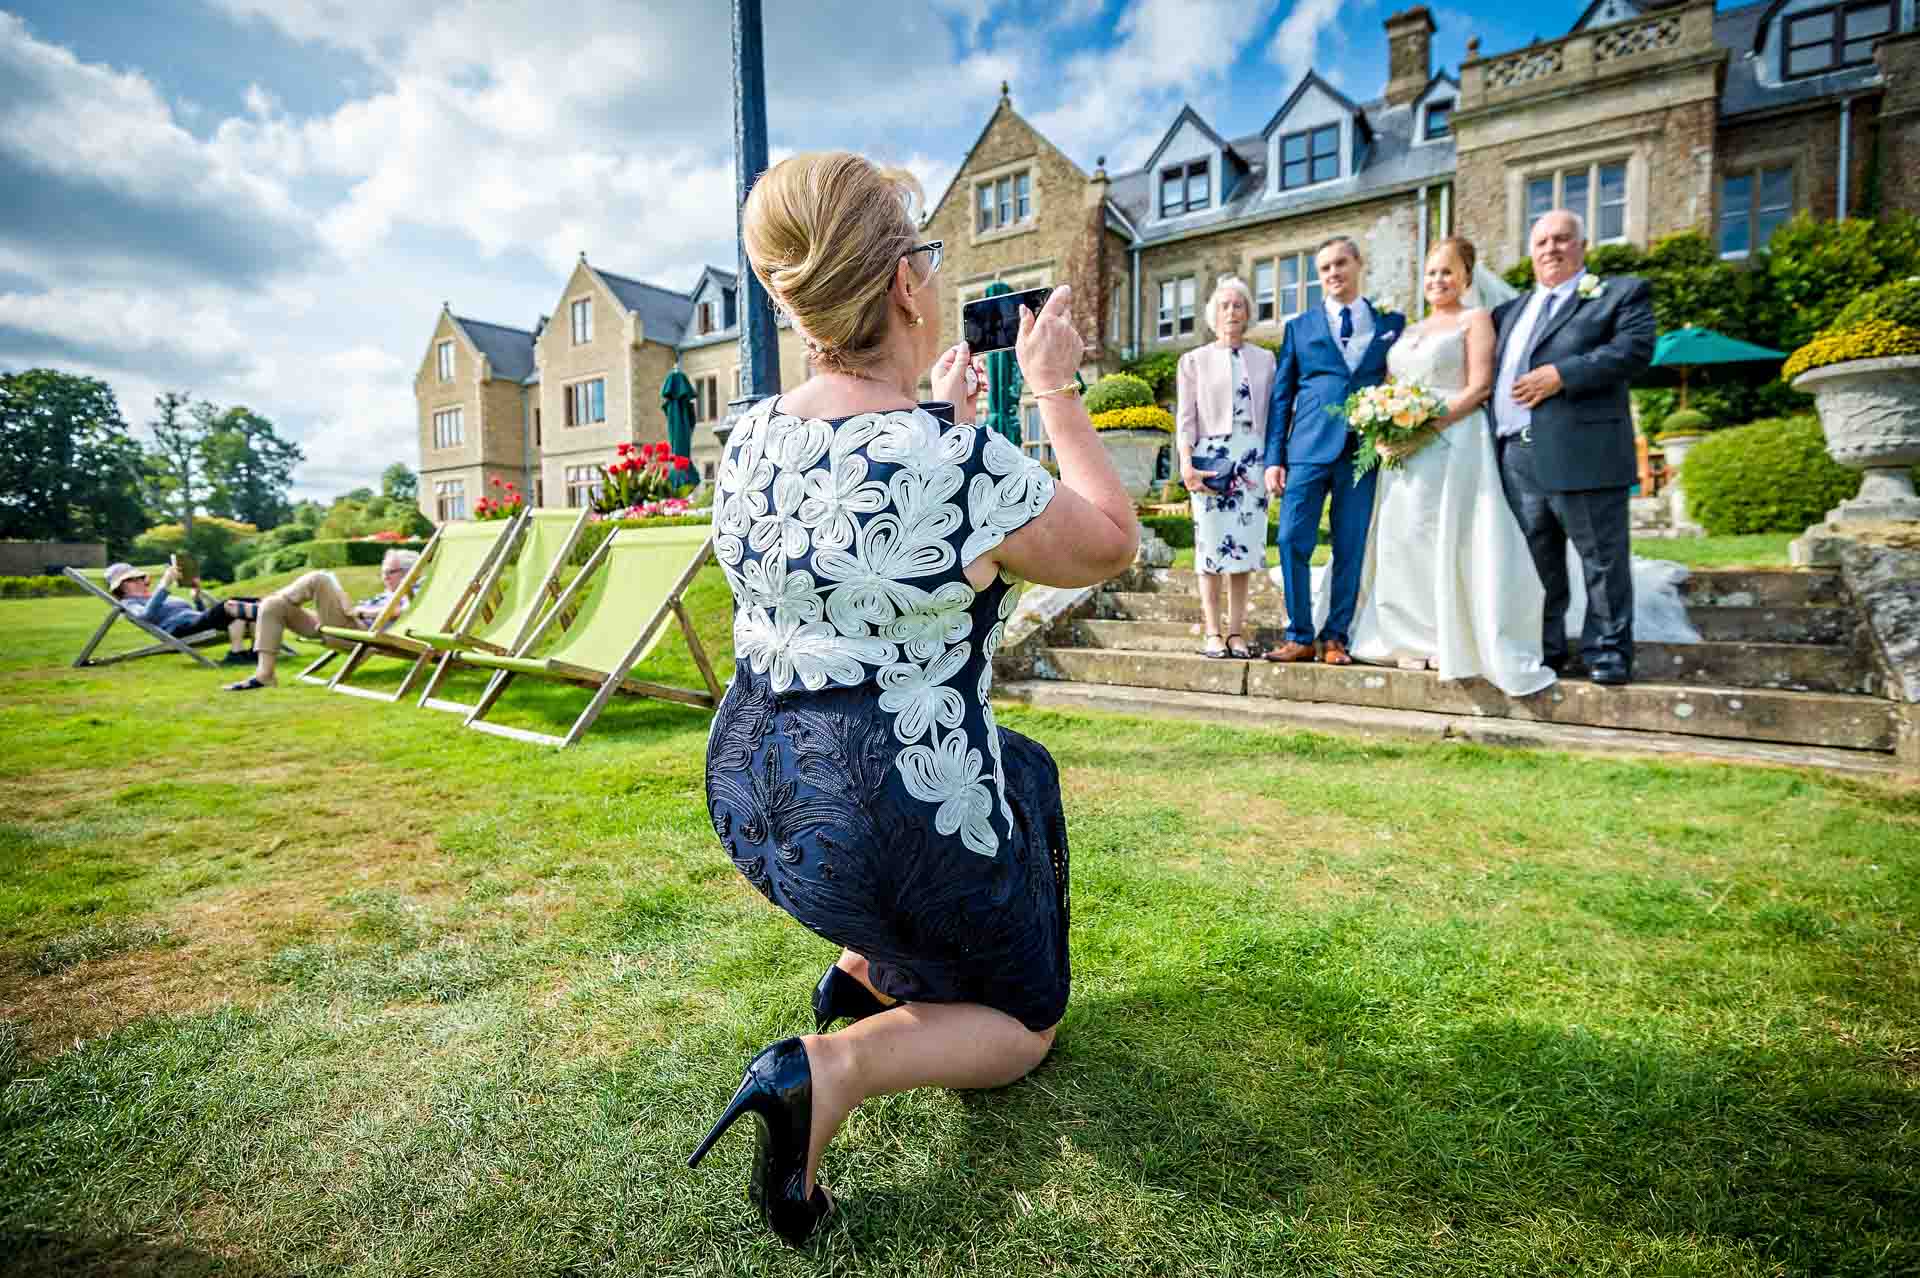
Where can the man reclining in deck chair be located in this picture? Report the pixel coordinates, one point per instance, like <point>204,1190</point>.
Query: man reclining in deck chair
<point>181,617</point>
<point>281,610</point>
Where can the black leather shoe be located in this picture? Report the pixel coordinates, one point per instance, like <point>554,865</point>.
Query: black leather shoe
<point>1611,671</point>
<point>841,995</point>
<point>777,1089</point>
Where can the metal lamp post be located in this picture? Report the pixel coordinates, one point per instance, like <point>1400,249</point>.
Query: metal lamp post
<point>759,339</point>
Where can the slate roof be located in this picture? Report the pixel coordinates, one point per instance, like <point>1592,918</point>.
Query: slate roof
<point>1389,160</point>
<point>1738,31</point>
<point>509,351</point>
<point>663,312</point>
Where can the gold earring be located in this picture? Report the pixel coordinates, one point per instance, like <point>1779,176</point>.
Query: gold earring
<point>917,321</point>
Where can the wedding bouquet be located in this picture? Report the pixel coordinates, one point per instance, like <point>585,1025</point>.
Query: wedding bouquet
<point>1393,412</point>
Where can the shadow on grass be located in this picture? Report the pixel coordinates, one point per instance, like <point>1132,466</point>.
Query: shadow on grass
<point>36,1253</point>
<point>1293,1096</point>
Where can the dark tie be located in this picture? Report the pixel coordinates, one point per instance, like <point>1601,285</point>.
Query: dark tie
<point>1346,324</point>
<point>1540,325</point>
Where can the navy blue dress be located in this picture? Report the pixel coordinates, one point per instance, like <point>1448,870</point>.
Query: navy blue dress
<point>855,773</point>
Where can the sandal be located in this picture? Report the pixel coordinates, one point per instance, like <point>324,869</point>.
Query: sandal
<point>1210,650</point>
<point>248,684</point>
<point>1238,651</point>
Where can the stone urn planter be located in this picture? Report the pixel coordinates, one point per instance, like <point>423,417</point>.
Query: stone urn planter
<point>1676,448</point>
<point>1870,413</point>
<point>1134,454</point>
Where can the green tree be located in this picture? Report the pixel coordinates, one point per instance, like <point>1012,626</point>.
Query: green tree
<point>176,465</point>
<point>69,469</point>
<point>249,468</point>
<point>399,483</point>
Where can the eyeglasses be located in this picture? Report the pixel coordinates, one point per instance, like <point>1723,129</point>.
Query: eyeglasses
<point>934,251</point>
<point>394,570</point>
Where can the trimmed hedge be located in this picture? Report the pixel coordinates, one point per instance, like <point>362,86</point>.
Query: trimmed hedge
<point>1117,391</point>
<point>1175,530</point>
<point>1769,476</point>
<point>37,587</point>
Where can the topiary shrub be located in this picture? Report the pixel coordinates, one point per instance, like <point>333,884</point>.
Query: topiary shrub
<point>1871,339</point>
<point>1119,390</point>
<point>1768,476</point>
<point>1158,370</point>
<point>1150,418</point>
<point>1685,422</point>
<point>1175,530</point>
<point>1896,303</point>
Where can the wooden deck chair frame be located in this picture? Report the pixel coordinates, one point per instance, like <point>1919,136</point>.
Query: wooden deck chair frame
<point>332,648</point>
<point>529,626</point>
<point>397,645</point>
<point>615,680</point>
<point>163,642</point>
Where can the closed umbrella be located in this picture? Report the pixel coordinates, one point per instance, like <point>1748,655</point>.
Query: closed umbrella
<point>677,398</point>
<point>1003,378</point>
<point>1685,348</point>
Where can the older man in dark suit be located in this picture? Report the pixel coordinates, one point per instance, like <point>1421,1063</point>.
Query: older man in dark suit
<point>1564,431</point>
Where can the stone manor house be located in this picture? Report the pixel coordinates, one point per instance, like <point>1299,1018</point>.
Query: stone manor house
<point>1648,117</point>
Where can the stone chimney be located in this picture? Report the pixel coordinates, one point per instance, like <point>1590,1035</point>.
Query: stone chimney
<point>1409,54</point>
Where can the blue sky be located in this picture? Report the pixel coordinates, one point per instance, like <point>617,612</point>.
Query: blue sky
<point>265,201</point>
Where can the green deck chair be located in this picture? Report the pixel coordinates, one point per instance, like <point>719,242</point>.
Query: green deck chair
<point>164,642</point>
<point>535,561</point>
<point>608,620</point>
<point>332,647</point>
<point>462,557</point>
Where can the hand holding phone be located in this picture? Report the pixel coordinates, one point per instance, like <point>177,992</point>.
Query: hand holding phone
<point>993,323</point>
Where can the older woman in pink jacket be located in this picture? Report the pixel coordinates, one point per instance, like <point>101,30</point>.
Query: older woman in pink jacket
<point>1221,431</point>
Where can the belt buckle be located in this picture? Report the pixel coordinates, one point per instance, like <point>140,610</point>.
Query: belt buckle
<point>1526,435</point>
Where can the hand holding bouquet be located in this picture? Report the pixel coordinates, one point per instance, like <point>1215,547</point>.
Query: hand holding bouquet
<point>1389,418</point>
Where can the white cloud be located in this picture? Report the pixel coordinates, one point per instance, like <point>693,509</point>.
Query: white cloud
<point>1295,47</point>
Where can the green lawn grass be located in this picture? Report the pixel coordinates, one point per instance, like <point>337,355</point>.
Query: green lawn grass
<point>296,983</point>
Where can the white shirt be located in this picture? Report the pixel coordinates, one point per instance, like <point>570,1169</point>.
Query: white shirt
<point>1510,416</point>
<point>1355,347</point>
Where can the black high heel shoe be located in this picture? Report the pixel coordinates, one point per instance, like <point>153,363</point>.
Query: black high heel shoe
<point>778,1089</point>
<point>838,995</point>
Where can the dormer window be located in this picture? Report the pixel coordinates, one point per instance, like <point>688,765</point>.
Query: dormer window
<point>1310,157</point>
<point>706,318</point>
<point>730,315</point>
<point>1842,35</point>
<point>1185,188</point>
<point>1439,118</point>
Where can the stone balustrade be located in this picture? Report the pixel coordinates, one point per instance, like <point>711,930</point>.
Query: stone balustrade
<point>1668,35</point>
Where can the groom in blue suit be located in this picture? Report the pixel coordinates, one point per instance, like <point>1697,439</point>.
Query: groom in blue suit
<point>1326,354</point>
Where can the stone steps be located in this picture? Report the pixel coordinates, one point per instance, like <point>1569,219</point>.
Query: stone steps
<point>1787,623</point>
<point>1715,587</point>
<point>1799,667</point>
<point>1262,712</point>
<point>1832,720</point>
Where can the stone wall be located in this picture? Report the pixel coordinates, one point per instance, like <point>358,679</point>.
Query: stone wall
<point>1899,122</point>
<point>1809,140</point>
<point>562,363</point>
<point>32,558</point>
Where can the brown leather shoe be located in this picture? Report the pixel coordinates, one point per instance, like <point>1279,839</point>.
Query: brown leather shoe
<point>1291,651</point>
<point>1336,654</point>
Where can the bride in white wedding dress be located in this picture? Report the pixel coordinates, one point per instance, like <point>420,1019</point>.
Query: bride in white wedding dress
<point>1447,581</point>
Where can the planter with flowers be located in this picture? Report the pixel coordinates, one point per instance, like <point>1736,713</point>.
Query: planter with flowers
<point>505,503</point>
<point>1134,437</point>
<point>1863,371</point>
<point>642,473</point>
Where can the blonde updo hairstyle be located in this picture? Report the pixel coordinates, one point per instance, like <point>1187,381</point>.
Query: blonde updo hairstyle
<point>825,231</point>
<point>1463,252</point>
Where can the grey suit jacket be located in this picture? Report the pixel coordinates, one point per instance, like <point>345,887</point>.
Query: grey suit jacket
<point>1583,437</point>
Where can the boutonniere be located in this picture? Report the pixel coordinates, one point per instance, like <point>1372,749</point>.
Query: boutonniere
<point>1590,287</point>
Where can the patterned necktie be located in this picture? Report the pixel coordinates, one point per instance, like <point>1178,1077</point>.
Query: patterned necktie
<point>1346,325</point>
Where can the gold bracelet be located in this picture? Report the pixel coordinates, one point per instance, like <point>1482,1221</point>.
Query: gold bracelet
<point>1073,386</point>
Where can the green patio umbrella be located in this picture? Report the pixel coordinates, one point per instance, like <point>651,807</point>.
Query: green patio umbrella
<point>677,398</point>
<point>1003,377</point>
<point>1684,348</point>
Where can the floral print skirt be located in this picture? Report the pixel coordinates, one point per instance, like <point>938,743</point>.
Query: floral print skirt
<point>1230,532</point>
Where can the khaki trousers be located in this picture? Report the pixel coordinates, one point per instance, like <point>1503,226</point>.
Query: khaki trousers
<point>282,609</point>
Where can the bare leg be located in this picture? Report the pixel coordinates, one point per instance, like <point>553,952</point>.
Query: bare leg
<point>914,1045</point>
<point>1209,600</point>
<point>1237,584</point>
<point>237,635</point>
<point>855,965</point>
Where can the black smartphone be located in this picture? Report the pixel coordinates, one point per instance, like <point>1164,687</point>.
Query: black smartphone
<point>993,323</point>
